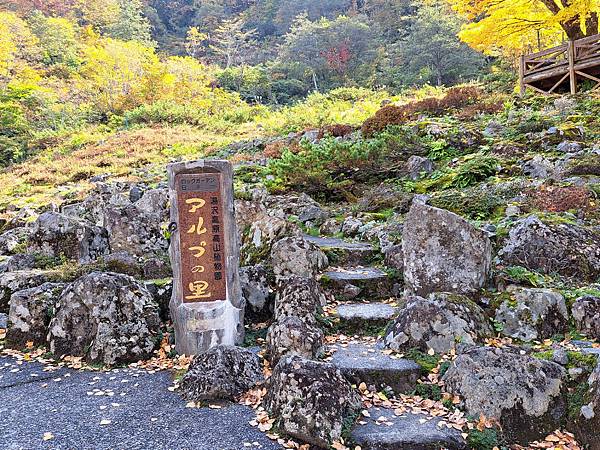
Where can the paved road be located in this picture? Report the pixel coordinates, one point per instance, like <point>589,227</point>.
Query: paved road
<point>136,409</point>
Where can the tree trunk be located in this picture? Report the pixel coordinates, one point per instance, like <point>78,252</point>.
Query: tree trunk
<point>572,28</point>
<point>592,24</point>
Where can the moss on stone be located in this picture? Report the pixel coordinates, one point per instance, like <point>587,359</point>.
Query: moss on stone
<point>427,362</point>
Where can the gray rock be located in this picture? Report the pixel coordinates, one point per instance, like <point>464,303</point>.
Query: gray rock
<point>523,393</point>
<point>560,356</point>
<point>22,219</point>
<point>135,231</point>
<point>416,166</point>
<point>154,201</point>
<point>30,313</point>
<point>494,128</point>
<point>365,315</point>
<point>11,282</point>
<point>406,432</point>
<point>299,297</point>
<point>346,253</point>
<point>351,225</point>
<point>566,249</point>
<point>123,262</point>
<point>11,240</point>
<point>569,147</point>
<point>367,282</point>
<point>260,235</point>
<point>301,206</point>
<point>221,373</point>
<point>107,318</point>
<point>365,364</point>
<point>3,321</point>
<point>538,167</point>
<point>18,262</point>
<point>586,312</point>
<point>155,267</point>
<point>438,322</point>
<point>330,227</point>
<point>297,257</point>
<point>533,314</point>
<point>293,336</point>
<point>394,257</point>
<point>443,252</point>
<point>383,196</point>
<point>55,234</point>
<point>586,425</point>
<point>161,291</point>
<point>311,400</point>
<point>256,288</point>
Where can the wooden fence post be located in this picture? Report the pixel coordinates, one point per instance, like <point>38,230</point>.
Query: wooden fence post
<point>572,74</point>
<point>522,76</point>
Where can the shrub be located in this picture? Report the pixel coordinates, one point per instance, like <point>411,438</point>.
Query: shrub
<point>479,202</point>
<point>331,166</point>
<point>455,98</point>
<point>386,116</point>
<point>337,130</point>
<point>477,169</point>
<point>559,198</point>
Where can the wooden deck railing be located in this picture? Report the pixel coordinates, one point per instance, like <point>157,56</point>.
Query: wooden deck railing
<point>548,70</point>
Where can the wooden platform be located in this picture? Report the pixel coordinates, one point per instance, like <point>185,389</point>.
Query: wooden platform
<point>562,69</point>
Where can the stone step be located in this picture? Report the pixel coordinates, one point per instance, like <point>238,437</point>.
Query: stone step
<point>365,283</point>
<point>364,318</point>
<point>365,363</point>
<point>343,253</point>
<point>383,430</point>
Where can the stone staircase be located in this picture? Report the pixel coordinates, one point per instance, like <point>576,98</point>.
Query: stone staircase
<point>365,302</point>
<point>362,290</point>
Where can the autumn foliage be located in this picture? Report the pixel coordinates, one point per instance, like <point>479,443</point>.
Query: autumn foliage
<point>456,98</point>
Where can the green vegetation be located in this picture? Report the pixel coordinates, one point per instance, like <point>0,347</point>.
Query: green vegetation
<point>487,439</point>
<point>427,362</point>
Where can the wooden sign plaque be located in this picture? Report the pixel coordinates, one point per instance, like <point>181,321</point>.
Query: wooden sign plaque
<point>202,238</point>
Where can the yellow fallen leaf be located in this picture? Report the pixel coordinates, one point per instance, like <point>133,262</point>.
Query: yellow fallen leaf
<point>431,352</point>
<point>48,436</point>
<point>105,422</point>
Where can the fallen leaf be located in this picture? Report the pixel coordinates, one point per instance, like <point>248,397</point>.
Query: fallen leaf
<point>47,436</point>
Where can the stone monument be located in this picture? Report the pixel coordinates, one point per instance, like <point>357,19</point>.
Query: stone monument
<point>207,306</point>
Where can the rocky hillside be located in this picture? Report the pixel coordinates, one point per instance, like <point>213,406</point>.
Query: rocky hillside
<point>428,280</point>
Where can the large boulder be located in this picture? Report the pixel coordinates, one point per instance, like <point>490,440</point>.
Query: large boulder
<point>301,206</point>
<point>586,423</point>
<point>586,313</point>
<point>154,201</point>
<point>30,313</point>
<point>438,322</point>
<point>221,373</point>
<point>533,314</point>
<point>105,317</point>
<point>11,282</point>
<point>311,400</point>
<point>524,394</point>
<point>443,252</point>
<point>256,289</point>
<point>135,231</point>
<point>259,229</point>
<point>12,240</point>
<point>293,336</point>
<point>55,234</point>
<point>296,256</point>
<point>299,297</point>
<point>566,249</point>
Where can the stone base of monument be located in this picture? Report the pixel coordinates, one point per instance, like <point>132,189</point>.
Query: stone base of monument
<point>206,306</point>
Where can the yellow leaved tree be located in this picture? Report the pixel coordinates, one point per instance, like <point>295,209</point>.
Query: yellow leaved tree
<point>510,27</point>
